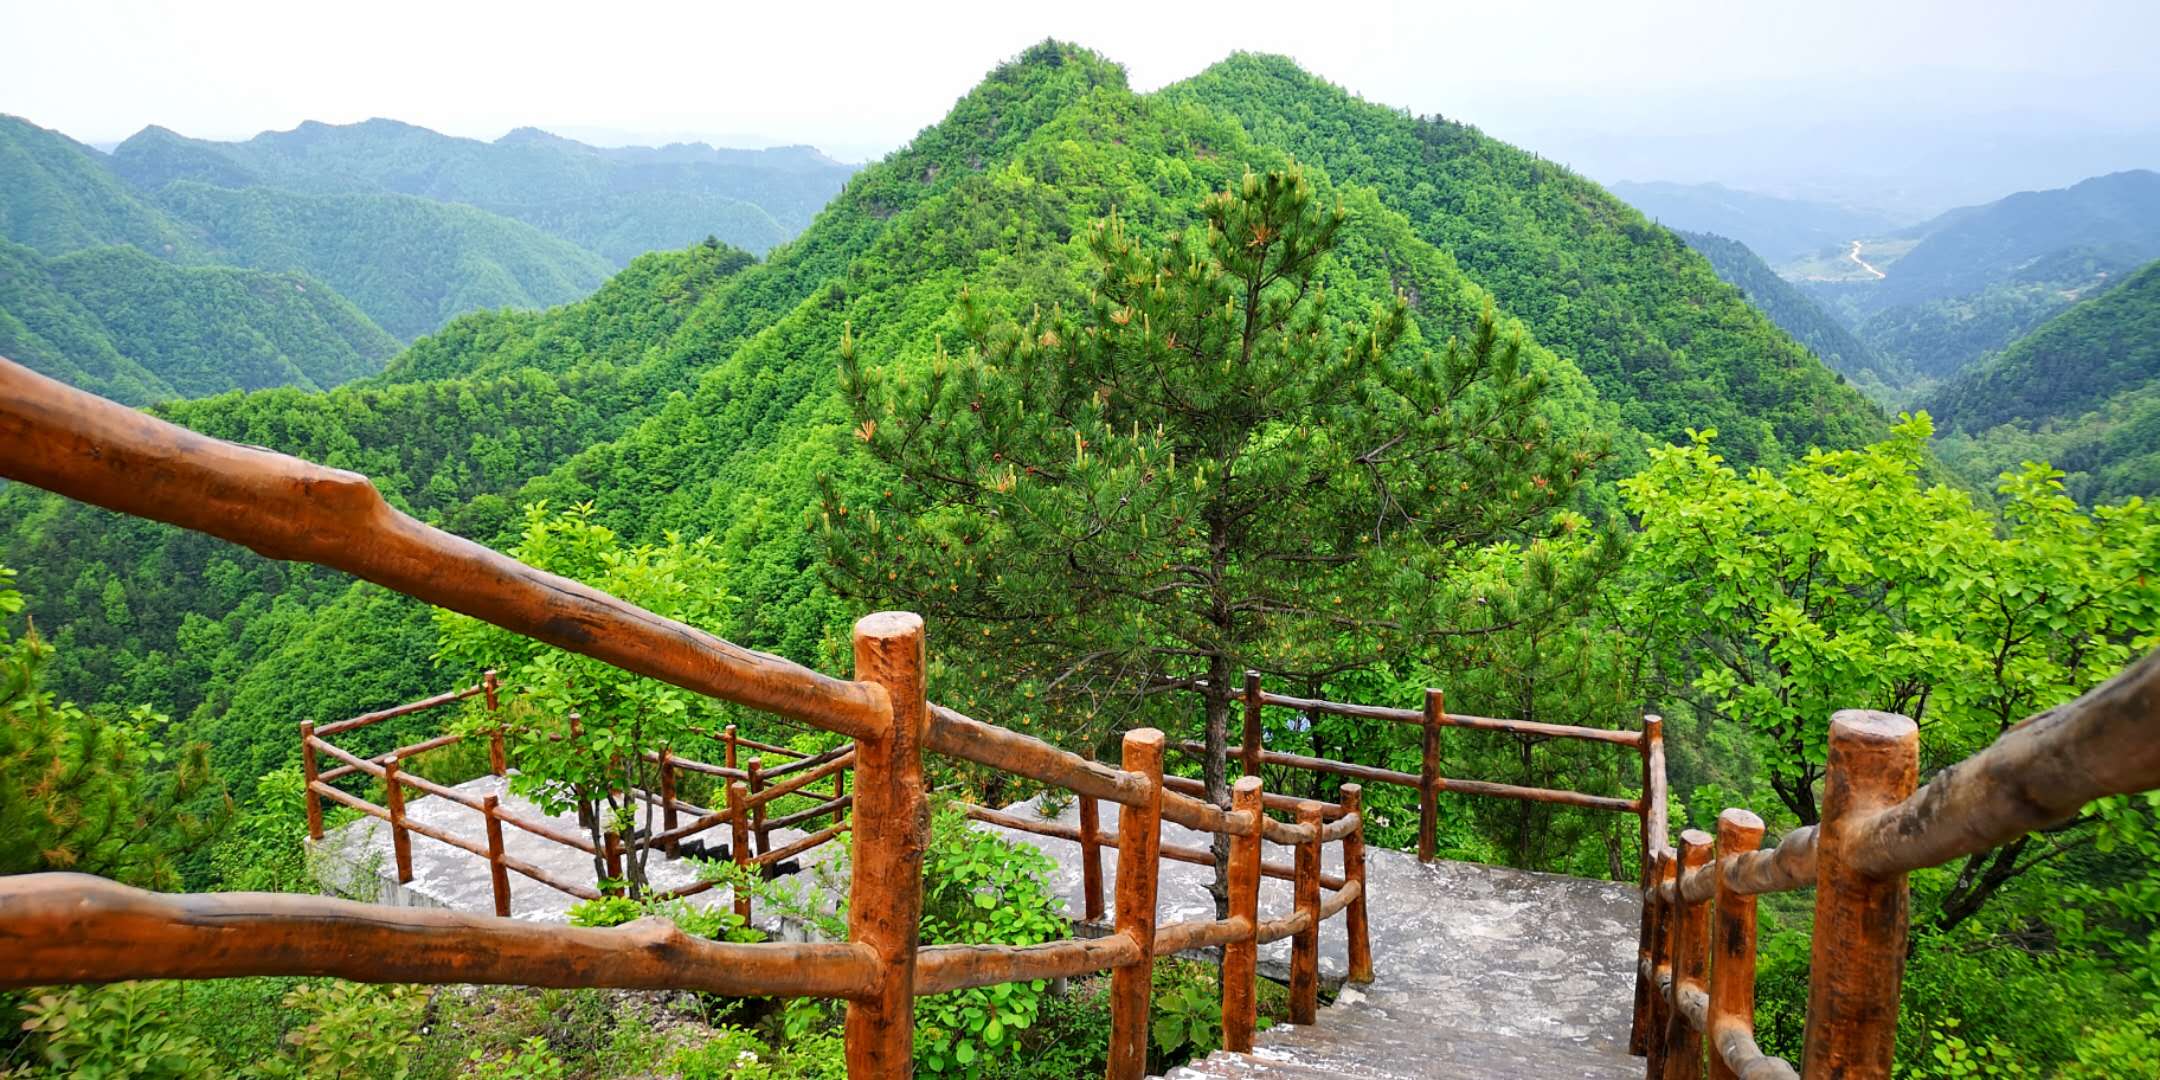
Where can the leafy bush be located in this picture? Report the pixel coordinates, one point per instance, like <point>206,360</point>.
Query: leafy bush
<point>126,1030</point>
<point>717,923</point>
<point>354,1031</point>
<point>532,1060</point>
<point>1188,1010</point>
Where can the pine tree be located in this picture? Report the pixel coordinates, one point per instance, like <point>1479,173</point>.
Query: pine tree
<point>1208,468</point>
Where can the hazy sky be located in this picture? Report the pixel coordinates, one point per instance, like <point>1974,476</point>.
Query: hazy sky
<point>1825,96</point>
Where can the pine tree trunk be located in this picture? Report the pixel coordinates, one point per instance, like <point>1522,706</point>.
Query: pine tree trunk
<point>1214,773</point>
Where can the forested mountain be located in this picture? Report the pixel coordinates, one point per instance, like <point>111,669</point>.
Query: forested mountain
<point>412,264</point>
<point>2082,392</point>
<point>1630,304</point>
<point>1971,281</point>
<point>618,202</point>
<point>705,398</point>
<point>56,196</point>
<point>1778,229</point>
<point>139,329</point>
<point>1792,310</point>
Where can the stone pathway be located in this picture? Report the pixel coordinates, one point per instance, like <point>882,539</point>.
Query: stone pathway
<point>1480,972</point>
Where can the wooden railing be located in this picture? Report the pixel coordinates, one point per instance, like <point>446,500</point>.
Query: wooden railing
<point>1698,946</point>
<point>57,928</point>
<point>749,791</point>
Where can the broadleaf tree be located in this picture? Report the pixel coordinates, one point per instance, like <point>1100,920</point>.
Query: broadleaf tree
<point>1210,466</point>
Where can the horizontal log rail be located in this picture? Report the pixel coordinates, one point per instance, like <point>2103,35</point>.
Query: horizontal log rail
<point>1530,728</point>
<point>75,928</point>
<point>1699,902</point>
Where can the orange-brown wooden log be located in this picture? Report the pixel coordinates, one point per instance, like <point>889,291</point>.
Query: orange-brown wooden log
<point>957,736</point>
<point>942,968</point>
<point>1732,942</point>
<point>1356,925</point>
<point>1367,773</point>
<point>1690,954</point>
<point>1197,856</point>
<point>1305,947</point>
<point>1287,926</point>
<point>1200,934</point>
<point>1541,795</point>
<point>1653,839</point>
<point>1240,966</point>
<point>84,447</point>
<point>812,761</point>
<point>1735,1047</point>
<point>1186,785</point>
<point>1788,866</point>
<point>799,781</point>
<point>400,841</point>
<point>835,807</point>
<point>1857,953</point>
<point>802,844</point>
<point>498,760</point>
<point>892,830</point>
<point>2040,772</point>
<point>704,768</point>
<point>546,830</point>
<point>498,874</point>
<point>1342,828</point>
<point>407,709</point>
<point>1332,903</point>
<point>1251,742</point>
<point>75,928</point>
<point>308,771</point>
<point>1428,780</point>
<point>841,802</point>
<point>667,800</point>
<point>730,742</point>
<point>738,794</point>
<point>756,783</point>
<point>1091,858</point>
<point>1139,832</point>
<point>1657,967</point>
<point>748,743</point>
<point>1417,716</point>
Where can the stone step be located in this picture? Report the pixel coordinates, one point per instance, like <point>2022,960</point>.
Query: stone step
<point>1361,1042</point>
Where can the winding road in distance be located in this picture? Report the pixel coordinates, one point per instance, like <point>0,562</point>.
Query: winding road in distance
<point>1854,255</point>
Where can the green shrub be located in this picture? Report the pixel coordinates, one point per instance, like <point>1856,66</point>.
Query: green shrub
<point>126,1030</point>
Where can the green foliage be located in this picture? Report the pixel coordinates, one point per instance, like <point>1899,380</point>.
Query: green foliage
<point>532,1060</point>
<point>1843,583</point>
<point>714,922</point>
<point>583,727</point>
<point>264,848</point>
<point>1792,310</point>
<point>126,1031</point>
<point>351,1031</point>
<point>88,791</point>
<point>1187,1020</point>
<point>58,197</point>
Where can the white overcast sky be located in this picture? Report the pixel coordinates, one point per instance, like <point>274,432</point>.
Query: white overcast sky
<point>1621,89</point>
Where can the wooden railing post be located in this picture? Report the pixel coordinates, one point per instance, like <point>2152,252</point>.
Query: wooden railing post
<point>498,876</point>
<point>1653,838</point>
<point>308,771</point>
<point>667,797</point>
<point>1662,867</point>
<point>498,760</point>
<point>892,828</point>
<point>738,793</point>
<point>1690,953</point>
<point>1732,942</point>
<point>839,790</point>
<point>1091,858</point>
<point>727,740</point>
<point>1355,923</point>
<point>612,845</point>
<point>400,840</point>
<point>1240,993</point>
<point>1139,849</point>
<point>757,813</point>
<point>1429,777</point>
<point>1858,952</point>
<point>1251,747</point>
<point>1305,946</point>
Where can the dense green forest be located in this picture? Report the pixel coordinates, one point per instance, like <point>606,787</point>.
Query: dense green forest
<point>138,329</point>
<point>2082,392</point>
<point>1792,310</point>
<point>619,202</point>
<point>1658,500</point>
<point>410,263</point>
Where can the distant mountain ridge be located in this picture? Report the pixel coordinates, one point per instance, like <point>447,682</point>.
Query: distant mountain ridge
<point>618,201</point>
<point>1775,228</point>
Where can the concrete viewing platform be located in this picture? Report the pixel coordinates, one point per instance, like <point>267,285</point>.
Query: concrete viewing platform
<point>1480,971</point>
